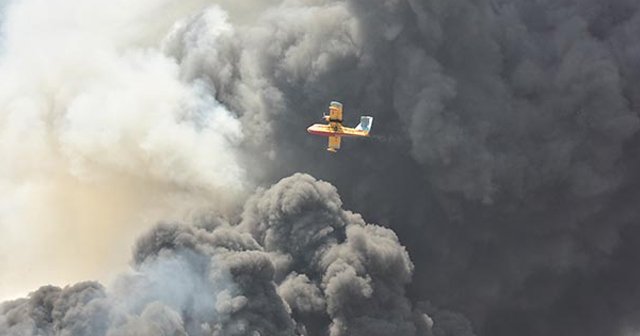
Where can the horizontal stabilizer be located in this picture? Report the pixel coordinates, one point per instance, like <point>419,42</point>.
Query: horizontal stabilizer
<point>365,124</point>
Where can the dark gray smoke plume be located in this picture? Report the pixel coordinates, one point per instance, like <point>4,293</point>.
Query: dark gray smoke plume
<point>505,159</point>
<point>508,162</point>
<point>296,264</point>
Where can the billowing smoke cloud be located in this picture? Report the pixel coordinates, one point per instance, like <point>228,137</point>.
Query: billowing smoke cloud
<point>296,264</point>
<point>509,130</point>
<point>504,158</point>
<point>95,118</point>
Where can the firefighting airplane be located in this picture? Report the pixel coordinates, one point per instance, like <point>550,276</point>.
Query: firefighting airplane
<point>334,130</point>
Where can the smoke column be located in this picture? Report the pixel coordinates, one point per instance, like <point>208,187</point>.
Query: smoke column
<point>511,175</point>
<point>99,136</point>
<point>296,264</point>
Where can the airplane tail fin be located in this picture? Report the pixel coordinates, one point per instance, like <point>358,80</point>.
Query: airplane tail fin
<point>365,124</point>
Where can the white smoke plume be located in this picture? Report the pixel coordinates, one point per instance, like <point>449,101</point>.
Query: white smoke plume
<point>99,136</point>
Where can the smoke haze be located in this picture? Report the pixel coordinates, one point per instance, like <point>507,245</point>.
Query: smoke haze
<point>504,160</point>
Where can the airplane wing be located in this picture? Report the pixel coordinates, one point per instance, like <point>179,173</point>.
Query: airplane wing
<point>334,143</point>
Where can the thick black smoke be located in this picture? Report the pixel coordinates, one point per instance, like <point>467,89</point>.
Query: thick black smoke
<point>296,264</point>
<point>510,130</point>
